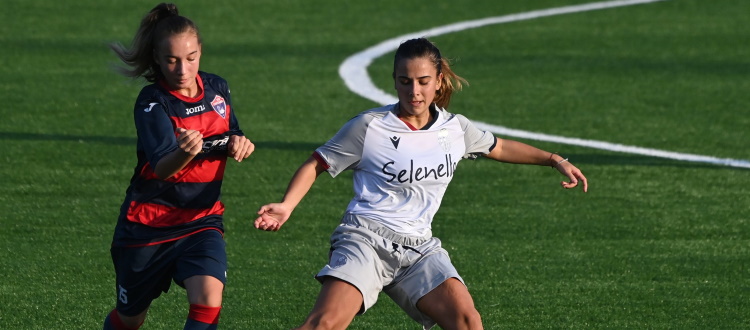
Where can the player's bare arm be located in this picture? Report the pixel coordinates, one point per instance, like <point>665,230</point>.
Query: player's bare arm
<point>272,216</point>
<point>509,151</point>
<point>190,143</point>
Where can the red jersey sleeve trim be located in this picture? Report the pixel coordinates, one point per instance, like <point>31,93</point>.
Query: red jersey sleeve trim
<point>320,160</point>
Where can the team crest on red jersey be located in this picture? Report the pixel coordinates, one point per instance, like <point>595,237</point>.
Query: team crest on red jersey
<point>220,106</point>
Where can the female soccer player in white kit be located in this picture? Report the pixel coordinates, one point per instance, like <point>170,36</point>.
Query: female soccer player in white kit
<point>403,157</point>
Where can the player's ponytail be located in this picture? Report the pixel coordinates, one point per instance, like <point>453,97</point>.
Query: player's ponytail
<point>161,22</point>
<point>451,82</point>
<point>423,48</point>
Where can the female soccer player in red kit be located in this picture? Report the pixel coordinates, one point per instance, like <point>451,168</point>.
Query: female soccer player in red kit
<point>170,224</point>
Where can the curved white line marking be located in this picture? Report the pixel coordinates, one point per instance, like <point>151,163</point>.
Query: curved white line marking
<point>354,73</point>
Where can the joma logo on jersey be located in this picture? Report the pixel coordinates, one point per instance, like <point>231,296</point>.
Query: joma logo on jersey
<point>419,173</point>
<point>195,109</point>
<point>150,106</point>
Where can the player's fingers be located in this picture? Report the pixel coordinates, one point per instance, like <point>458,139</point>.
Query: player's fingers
<point>193,150</point>
<point>262,222</point>
<point>267,225</point>
<point>239,148</point>
<point>572,181</point>
<point>582,178</point>
<point>244,149</point>
<point>185,134</point>
<point>195,136</point>
<point>192,142</point>
<point>264,209</point>
<point>189,137</point>
<point>235,143</point>
<point>249,149</point>
<point>568,185</point>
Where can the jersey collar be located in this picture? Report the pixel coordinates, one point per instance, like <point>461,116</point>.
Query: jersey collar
<point>184,98</point>
<point>433,113</point>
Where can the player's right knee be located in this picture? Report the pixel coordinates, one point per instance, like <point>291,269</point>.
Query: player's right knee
<point>325,322</point>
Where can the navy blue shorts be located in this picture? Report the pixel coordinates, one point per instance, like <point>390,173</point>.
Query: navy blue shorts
<point>143,273</point>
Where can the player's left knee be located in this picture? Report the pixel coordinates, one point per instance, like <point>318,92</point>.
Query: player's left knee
<point>204,290</point>
<point>469,318</point>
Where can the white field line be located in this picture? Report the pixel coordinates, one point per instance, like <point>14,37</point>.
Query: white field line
<point>354,73</point>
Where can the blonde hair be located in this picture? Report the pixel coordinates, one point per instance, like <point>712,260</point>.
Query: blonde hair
<point>423,48</point>
<point>161,22</point>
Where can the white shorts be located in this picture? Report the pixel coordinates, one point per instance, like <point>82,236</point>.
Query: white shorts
<point>374,258</point>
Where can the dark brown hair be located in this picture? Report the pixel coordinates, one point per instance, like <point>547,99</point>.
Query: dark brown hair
<point>161,22</point>
<point>423,48</point>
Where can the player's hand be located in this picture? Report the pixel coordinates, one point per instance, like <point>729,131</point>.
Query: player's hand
<point>575,176</point>
<point>189,141</point>
<point>239,147</point>
<point>272,216</point>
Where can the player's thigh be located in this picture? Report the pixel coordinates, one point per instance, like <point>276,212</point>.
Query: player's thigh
<point>142,274</point>
<point>449,302</point>
<point>202,253</point>
<point>337,304</point>
<point>355,260</point>
<point>201,267</point>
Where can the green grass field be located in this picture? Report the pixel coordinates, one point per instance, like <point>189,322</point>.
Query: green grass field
<point>655,244</point>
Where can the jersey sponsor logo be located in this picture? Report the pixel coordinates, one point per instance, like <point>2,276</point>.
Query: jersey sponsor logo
<point>220,106</point>
<point>150,106</point>
<point>215,145</point>
<point>419,173</point>
<point>196,109</point>
<point>395,140</point>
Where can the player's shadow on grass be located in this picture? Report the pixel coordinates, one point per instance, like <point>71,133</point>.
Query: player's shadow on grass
<point>579,158</point>
<point>288,145</point>
<point>131,141</point>
<point>113,140</point>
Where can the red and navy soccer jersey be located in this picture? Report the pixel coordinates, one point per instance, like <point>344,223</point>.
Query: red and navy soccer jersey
<point>159,210</point>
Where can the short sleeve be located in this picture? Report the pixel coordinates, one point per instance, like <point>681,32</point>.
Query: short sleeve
<point>478,142</point>
<point>344,150</point>
<point>156,135</point>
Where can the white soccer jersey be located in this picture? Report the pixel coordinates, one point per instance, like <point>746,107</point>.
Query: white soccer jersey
<point>400,175</point>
